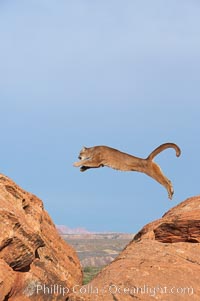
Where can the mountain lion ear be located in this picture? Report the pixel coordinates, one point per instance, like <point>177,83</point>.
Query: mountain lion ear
<point>84,148</point>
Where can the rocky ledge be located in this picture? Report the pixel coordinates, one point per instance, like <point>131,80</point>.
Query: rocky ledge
<point>35,262</point>
<point>161,263</point>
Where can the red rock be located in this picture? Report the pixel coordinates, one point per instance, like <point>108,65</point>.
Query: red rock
<point>161,263</point>
<point>180,224</point>
<point>7,279</point>
<point>32,254</point>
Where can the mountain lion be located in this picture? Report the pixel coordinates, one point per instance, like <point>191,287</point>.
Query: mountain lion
<point>99,156</point>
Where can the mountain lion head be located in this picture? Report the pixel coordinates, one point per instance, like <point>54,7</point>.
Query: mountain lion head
<point>84,153</point>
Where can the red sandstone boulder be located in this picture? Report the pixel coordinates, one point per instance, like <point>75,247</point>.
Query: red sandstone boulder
<point>35,262</point>
<point>161,263</point>
<point>180,224</point>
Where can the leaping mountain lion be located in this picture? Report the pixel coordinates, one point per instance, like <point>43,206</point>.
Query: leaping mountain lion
<point>99,156</point>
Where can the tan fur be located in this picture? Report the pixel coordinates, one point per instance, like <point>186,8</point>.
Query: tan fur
<point>99,156</point>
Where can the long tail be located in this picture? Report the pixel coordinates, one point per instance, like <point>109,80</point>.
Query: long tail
<point>162,147</point>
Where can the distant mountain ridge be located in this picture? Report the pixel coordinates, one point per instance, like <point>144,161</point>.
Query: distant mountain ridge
<point>65,230</point>
<point>62,229</point>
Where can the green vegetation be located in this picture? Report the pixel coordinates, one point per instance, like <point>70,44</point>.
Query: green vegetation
<point>89,273</point>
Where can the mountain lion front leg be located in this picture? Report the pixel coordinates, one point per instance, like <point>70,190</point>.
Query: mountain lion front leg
<point>86,164</point>
<point>81,163</point>
<point>156,173</point>
<point>84,168</point>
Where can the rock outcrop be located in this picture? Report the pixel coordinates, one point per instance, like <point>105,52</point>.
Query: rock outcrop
<point>180,224</point>
<point>161,263</point>
<point>35,262</point>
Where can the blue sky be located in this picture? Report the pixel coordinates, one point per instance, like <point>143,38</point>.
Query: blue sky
<point>118,73</point>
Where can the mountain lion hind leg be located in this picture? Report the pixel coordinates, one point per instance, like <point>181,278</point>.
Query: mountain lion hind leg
<point>156,173</point>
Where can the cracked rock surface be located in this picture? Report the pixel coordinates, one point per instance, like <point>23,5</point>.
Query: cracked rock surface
<point>32,254</point>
